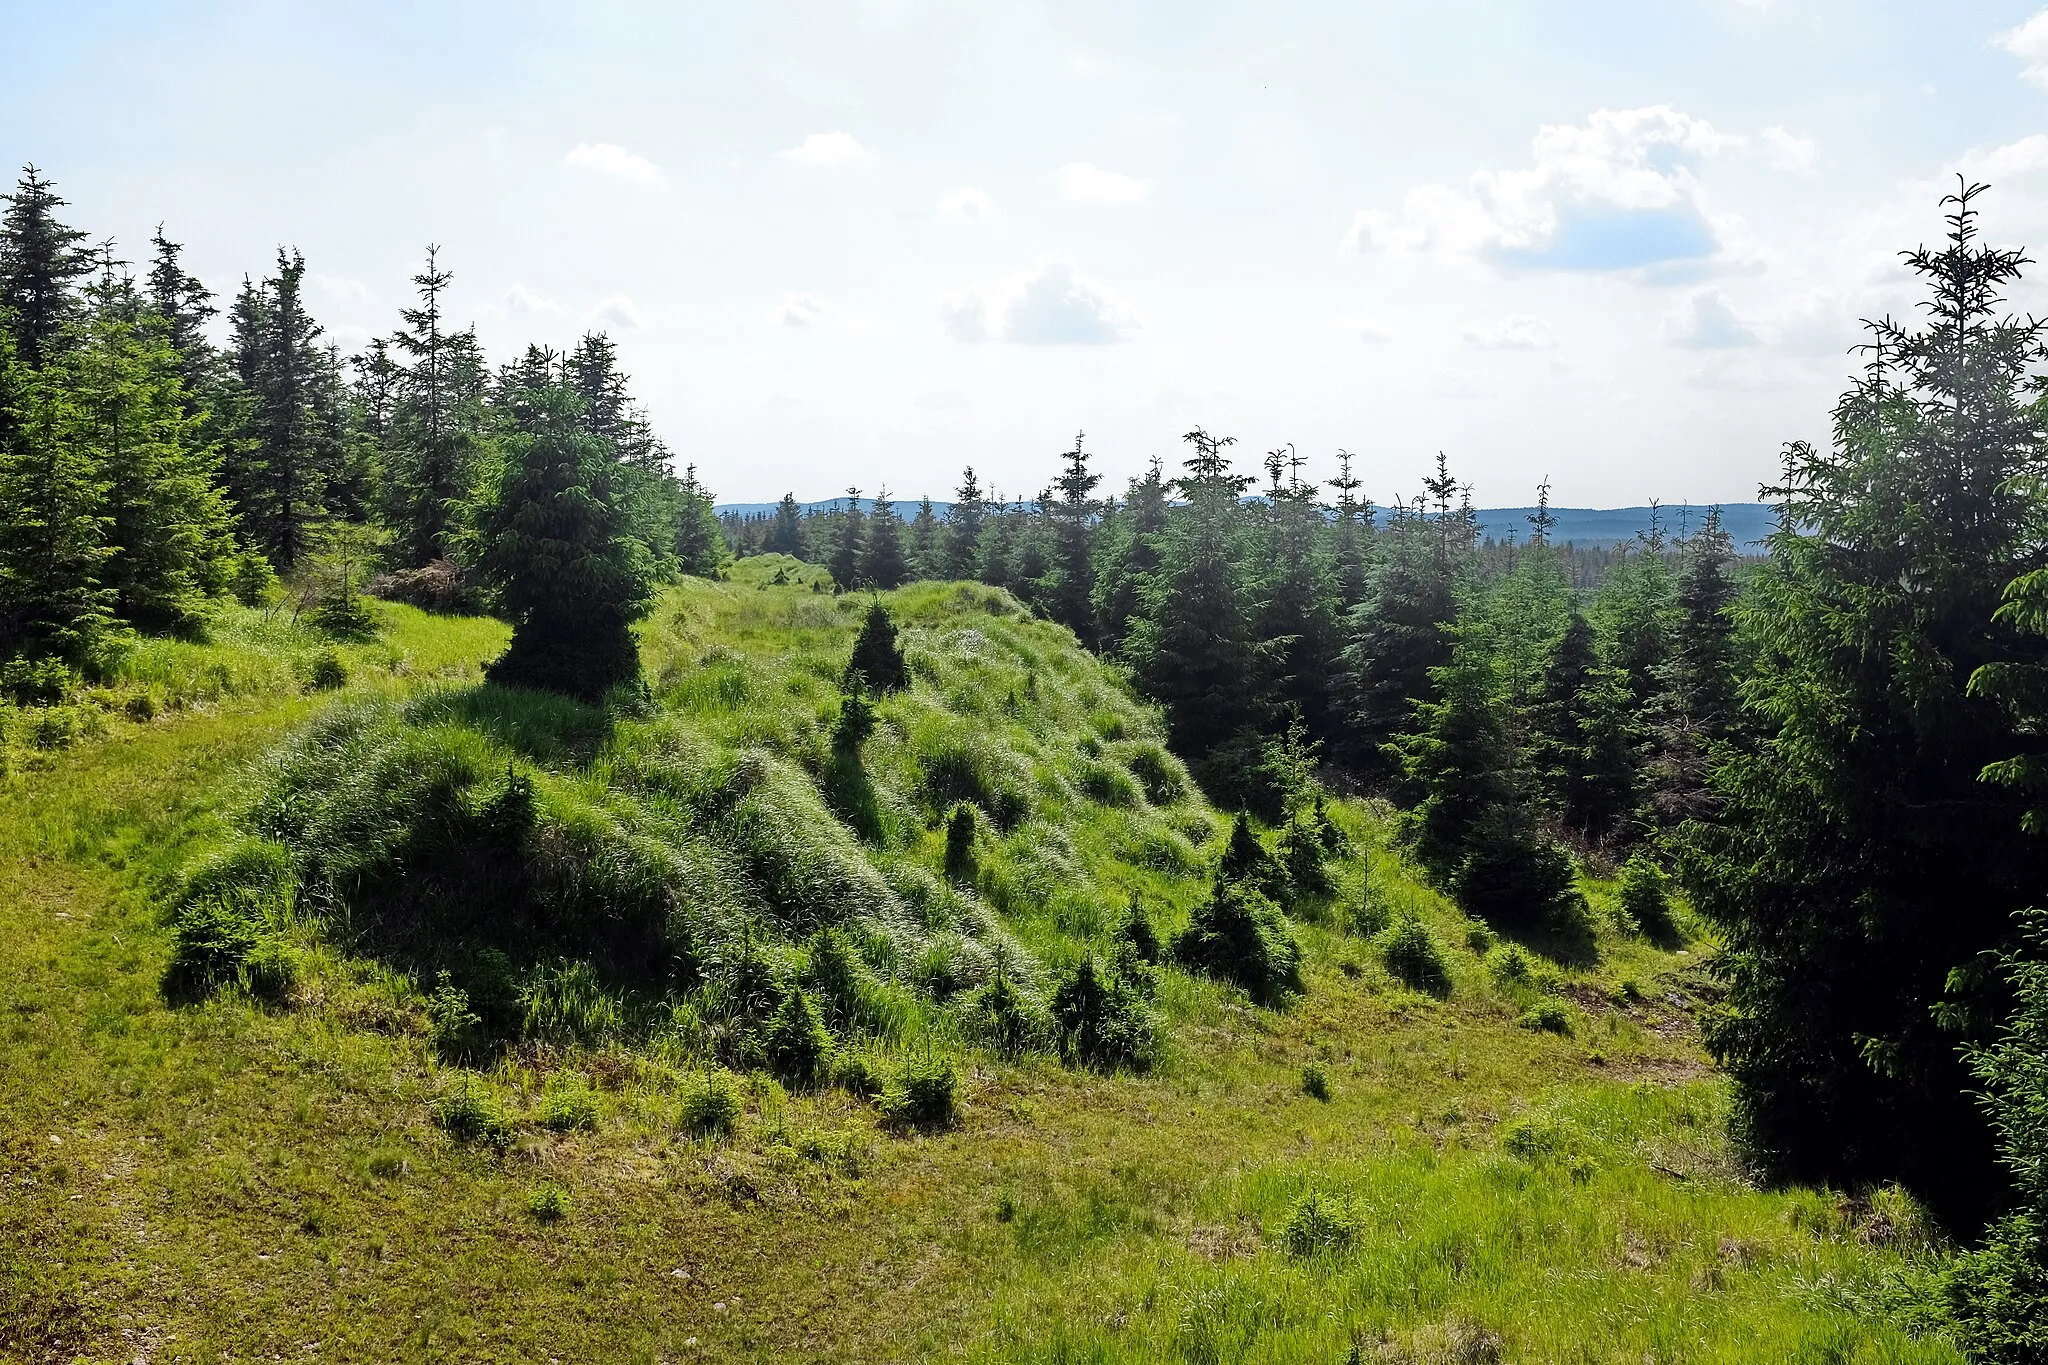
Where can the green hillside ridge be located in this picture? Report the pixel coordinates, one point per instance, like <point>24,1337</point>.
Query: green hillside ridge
<point>433,1020</point>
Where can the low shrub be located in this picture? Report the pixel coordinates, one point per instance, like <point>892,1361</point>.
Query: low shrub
<point>1510,965</point>
<point>567,1105</point>
<point>1246,860</point>
<point>1241,936</point>
<point>1137,932</point>
<point>920,1092</point>
<point>1512,876</point>
<point>226,919</point>
<point>1548,1016</point>
<point>796,1042</point>
<point>452,1026</point>
<point>36,682</point>
<point>860,1072</point>
<point>1315,1083</point>
<point>1102,1019</point>
<point>1413,957</point>
<point>327,672</point>
<point>1317,1224</point>
<point>710,1104</point>
<point>1646,898</point>
<point>469,1113</point>
<point>1003,1017</point>
<point>548,1202</point>
<point>1479,939</point>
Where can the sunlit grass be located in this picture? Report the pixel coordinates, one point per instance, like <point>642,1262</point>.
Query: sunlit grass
<point>241,1179</point>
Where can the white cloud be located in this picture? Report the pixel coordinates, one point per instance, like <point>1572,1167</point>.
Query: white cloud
<point>1372,331</point>
<point>342,289</point>
<point>800,310</point>
<point>1786,152</point>
<point>608,158</point>
<point>618,311</point>
<point>1091,184</point>
<point>2024,157</point>
<point>1704,320</point>
<point>1614,193</point>
<point>967,204</point>
<point>520,299</point>
<point>1052,306</point>
<point>2029,42</point>
<point>826,149</point>
<point>1516,332</point>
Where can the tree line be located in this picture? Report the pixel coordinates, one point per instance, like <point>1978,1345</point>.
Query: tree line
<point>147,469</point>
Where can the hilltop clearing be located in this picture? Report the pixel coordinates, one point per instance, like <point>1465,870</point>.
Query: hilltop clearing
<point>768,1015</point>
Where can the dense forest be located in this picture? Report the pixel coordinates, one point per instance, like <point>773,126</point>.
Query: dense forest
<point>1834,750</point>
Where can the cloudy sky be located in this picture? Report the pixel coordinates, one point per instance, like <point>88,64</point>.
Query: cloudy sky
<point>1624,245</point>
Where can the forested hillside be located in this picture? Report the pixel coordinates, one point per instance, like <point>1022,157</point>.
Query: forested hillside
<point>468,901</point>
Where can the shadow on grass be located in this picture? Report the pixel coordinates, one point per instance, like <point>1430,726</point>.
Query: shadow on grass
<point>545,728</point>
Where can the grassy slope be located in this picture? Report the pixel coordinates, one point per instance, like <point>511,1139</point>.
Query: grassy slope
<point>179,1184</point>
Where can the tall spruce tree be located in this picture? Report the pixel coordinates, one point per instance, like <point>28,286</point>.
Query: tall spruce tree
<point>53,534</point>
<point>924,541</point>
<point>556,550</point>
<point>1191,649</point>
<point>42,263</point>
<point>847,544</point>
<point>786,532</point>
<point>1129,555</point>
<point>276,474</point>
<point>1070,591</point>
<point>430,451</point>
<point>1294,612</point>
<point>1352,535</point>
<point>1857,868</point>
<point>168,526</point>
<point>700,541</point>
<point>882,564</point>
<point>960,551</point>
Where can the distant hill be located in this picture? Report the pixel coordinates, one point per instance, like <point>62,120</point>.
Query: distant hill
<point>1748,523</point>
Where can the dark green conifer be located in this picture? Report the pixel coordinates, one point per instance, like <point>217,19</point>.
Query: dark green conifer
<point>554,547</point>
<point>847,545</point>
<point>41,264</point>
<point>877,658</point>
<point>882,565</point>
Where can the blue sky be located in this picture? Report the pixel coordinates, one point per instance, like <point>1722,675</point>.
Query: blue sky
<point>1617,244</point>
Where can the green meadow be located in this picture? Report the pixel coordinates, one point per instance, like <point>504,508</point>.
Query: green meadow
<point>305,1056</point>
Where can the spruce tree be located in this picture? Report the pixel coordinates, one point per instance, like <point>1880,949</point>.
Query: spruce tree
<point>41,265</point>
<point>430,451</point>
<point>876,664</point>
<point>1069,596</point>
<point>1857,868</point>
<point>1352,535</point>
<point>847,545</point>
<point>1191,650</point>
<point>700,542</point>
<point>960,550</point>
<point>1129,555</point>
<point>1294,615</point>
<point>1583,738</point>
<point>786,532</point>
<point>556,550</point>
<point>924,541</point>
<point>1423,562</point>
<point>276,475</point>
<point>168,526</point>
<point>53,534</point>
<point>882,565</point>
<point>181,306</point>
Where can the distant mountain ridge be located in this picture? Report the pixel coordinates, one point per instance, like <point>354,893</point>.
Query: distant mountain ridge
<point>1747,523</point>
